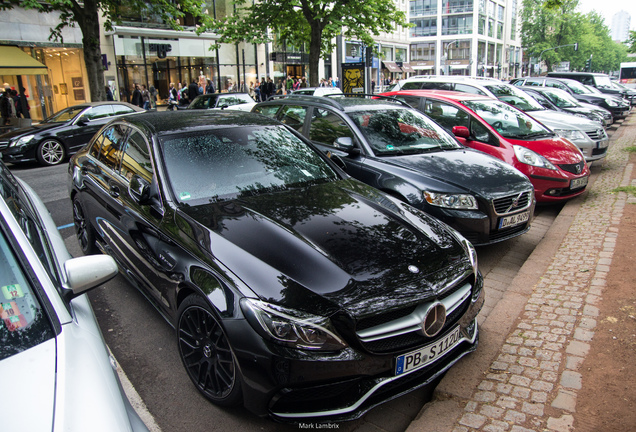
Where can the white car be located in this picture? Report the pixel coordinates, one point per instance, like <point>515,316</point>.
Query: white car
<point>317,91</point>
<point>56,371</point>
<point>223,101</point>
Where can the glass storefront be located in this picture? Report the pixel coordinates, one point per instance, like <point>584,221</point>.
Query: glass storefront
<point>65,84</point>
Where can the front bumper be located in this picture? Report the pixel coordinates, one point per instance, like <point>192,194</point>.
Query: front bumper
<point>293,385</point>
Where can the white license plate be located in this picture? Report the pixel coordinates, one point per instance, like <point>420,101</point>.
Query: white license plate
<point>513,220</point>
<point>578,182</point>
<point>427,355</point>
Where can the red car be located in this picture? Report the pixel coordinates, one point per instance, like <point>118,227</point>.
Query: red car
<point>554,165</point>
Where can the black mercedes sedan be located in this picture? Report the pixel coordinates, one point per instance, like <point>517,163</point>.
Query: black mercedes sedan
<point>52,140</point>
<point>293,288</point>
<point>390,146</point>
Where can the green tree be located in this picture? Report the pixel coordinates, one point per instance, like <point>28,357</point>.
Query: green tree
<point>545,28</point>
<point>632,42</point>
<point>85,14</point>
<point>310,22</point>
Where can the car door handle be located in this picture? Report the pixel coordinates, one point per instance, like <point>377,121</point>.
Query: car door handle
<point>114,191</point>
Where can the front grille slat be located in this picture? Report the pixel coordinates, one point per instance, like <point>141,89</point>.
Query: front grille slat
<point>504,205</point>
<point>596,135</point>
<point>576,168</point>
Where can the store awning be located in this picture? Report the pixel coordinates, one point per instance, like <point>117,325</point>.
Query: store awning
<point>406,67</point>
<point>391,66</point>
<point>421,67</point>
<point>14,61</point>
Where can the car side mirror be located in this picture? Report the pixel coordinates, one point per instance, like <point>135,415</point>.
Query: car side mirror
<point>344,143</point>
<point>139,189</point>
<point>87,272</point>
<point>461,132</point>
<point>82,121</point>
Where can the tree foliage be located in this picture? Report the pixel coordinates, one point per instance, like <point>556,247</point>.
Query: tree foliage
<point>85,14</point>
<point>546,25</point>
<point>632,42</point>
<point>310,22</point>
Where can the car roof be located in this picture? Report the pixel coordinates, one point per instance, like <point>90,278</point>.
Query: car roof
<point>442,94</point>
<point>169,122</point>
<point>338,101</point>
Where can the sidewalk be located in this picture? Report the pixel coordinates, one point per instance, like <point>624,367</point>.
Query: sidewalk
<point>526,373</point>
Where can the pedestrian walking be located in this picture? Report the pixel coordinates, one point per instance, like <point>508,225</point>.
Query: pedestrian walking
<point>193,90</point>
<point>145,97</point>
<point>136,97</point>
<point>7,107</point>
<point>173,97</point>
<point>210,87</point>
<point>109,94</point>
<point>153,97</point>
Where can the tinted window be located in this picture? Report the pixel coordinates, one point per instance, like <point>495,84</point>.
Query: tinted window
<point>446,115</point>
<point>326,127</point>
<point>267,110</point>
<point>235,162</point>
<point>481,133</point>
<point>97,144</point>
<point>401,131</point>
<point>293,116</point>
<point>469,89</point>
<point>119,109</point>
<point>556,84</point>
<point>412,86</point>
<point>203,102</point>
<point>111,150</point>
<point>534,82</point>
<point>98,112</point>
<point>413,101</point>
<point>136,158</point>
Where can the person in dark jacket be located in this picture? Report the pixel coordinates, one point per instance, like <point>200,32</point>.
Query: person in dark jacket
<point>210,87</point>
<point>136,97</point>
<point>193,90</point>
<point>109,94</point>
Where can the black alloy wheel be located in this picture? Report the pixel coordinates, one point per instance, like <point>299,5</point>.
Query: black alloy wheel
<point>206,353</point>
<point>83,230</point>
<point>50,152</point>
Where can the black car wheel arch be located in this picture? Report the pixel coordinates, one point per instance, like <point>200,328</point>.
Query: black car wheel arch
<point>50,152</point>
<point>206,353</point>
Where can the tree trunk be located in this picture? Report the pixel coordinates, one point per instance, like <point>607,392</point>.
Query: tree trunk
<point>90,26</point>
<point>314,53</point>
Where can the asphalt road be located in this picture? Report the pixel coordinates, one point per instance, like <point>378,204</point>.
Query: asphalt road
<point>145,344</point>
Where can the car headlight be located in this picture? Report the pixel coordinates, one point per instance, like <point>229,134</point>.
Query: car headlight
<point>291,327</point>
<point>612,103</point>
<point>571,134</point>
<point>528,157</point>
<point>22,140</point>
<point>453,201</point>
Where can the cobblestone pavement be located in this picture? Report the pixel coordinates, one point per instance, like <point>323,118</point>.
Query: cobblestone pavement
<point>531,376</point>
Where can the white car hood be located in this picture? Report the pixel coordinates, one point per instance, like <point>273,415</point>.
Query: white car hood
<point>559,120</point>
<point>28,382</point>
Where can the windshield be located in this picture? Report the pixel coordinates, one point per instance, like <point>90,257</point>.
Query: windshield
<point>222,164</point>
<point>514,96</point>
<point>64,115</point>
<point>507,120</point>
<point>402,131</point>
<point>560,98</point>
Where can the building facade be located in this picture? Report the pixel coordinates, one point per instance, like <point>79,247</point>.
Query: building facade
<point>619,29</point>
<point>65,82</point>
<point>466,37</point>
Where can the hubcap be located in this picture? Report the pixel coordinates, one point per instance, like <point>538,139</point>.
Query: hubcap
<point>52,152</point>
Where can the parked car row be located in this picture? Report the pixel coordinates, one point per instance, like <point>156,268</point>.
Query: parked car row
<point>317,257</point>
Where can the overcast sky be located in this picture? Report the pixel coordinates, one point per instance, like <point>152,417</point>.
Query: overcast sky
<point>608,8</point>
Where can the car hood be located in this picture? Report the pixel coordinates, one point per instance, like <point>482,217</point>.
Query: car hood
<point>30,130</point>
<point>30,379</point>
<point>562,120</point>
<point>465,169</point>
<point>340,245</point>
<point>557,150</point>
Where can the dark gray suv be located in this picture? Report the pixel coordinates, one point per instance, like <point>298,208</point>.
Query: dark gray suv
<point>404,153</point>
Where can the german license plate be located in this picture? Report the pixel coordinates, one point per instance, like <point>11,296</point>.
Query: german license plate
<point>515,219</point>
<point>578,182</point>
<point>428,354</point>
